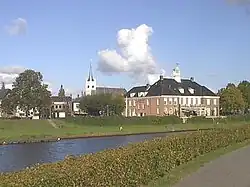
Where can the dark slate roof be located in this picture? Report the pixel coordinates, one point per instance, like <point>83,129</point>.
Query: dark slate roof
<point>61,99</point>
<point>3,93</point>
<point>169,86</point>
<point>110,90</point>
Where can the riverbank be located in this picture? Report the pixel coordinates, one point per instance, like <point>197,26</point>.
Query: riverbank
<point>141,162</point>
<point>26,131</point>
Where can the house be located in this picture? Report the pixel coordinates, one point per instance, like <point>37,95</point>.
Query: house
<point>91,87</point>
<point>61,106</point>
<point>172,96</point>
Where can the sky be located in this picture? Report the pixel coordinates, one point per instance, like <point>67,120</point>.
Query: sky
<point>127,41</point>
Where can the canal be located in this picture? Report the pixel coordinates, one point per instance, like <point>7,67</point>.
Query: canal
<point>19,156</point>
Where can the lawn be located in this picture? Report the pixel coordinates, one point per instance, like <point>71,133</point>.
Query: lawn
<point>29,130</point>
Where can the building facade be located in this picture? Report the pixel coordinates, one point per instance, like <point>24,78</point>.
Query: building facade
<point>172,96</point>
<point>61,106</point>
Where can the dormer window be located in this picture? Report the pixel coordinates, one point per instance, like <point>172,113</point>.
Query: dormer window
<point>181,90</point>
<point>132,94</point>
<point>191,90</point>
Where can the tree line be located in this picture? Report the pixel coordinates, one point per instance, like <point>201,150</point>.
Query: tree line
<point>29,92</point>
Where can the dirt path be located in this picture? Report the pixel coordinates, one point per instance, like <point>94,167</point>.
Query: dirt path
<point>230,170</point>
<point>52,123</point>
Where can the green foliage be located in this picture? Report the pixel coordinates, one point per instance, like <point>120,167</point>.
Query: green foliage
<point>231,100</point>
<point>107,104</point>
<point>121,120</point>
<point>244,87</point>
<point>61,92</point>
<point>28,93</point>
<point>134,165</point>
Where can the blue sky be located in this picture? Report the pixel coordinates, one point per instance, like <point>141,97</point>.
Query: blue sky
<point>210,38</point>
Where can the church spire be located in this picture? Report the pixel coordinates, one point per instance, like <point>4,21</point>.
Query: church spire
<point>91,77</point>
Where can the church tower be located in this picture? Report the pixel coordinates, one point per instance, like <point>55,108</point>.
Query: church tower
<point>176,74</point>
<point>90,84</point>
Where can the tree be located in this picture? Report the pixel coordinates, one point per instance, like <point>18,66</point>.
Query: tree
<point>105,104</point>
<point>9,103</point>
<point>231,100</point>
<point>28,93</point>
<point>244,87</point>
<point>61,92</point>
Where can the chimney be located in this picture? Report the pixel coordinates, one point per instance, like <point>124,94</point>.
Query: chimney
<point>192,79</point>
<point>147,86</point>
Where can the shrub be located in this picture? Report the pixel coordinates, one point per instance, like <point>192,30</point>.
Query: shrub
<point>120,120</point>
<point>134,165</point>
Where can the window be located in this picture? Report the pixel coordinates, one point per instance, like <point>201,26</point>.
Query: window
<point>170,101</point>
<point>130,103</point>
<point>157,102</point>
<point>208,101</point>
<point>143,106</point>
<point>60,106</point>
<point>138,106</point>
<point>147,102</point>
<point>192,101</point>
<point>92,86</point>
<point>88,86</point>
<point>157,111</point>
<point>186,101</point>
<point>215,102</point>
<point>182,101</point>
<point>196,101</point>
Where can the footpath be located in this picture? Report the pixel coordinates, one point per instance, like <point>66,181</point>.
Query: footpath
<point>230,170</point>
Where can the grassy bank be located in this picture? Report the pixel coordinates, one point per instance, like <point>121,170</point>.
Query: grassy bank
<point>134,165</point>
<point>175,175</point>
<point>35,130</point>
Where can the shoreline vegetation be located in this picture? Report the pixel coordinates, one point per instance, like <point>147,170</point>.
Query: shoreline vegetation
<point>134,165</point>
<point>35,131</point>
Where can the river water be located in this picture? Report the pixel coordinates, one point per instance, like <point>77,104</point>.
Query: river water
<point>19,156</point>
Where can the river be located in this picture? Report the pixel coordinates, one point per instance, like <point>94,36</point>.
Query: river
<point>19,156</point>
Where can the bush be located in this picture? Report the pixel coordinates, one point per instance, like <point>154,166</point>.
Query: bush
<point>134,165</point>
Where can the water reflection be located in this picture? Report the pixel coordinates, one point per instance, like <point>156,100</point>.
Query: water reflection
<point>19,156</point>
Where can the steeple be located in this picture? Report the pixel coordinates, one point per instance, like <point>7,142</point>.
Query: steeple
<point>91,77</point>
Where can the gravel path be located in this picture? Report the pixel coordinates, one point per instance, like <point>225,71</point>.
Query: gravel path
<point>230,170</point>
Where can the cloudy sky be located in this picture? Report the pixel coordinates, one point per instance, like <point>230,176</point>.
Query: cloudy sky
<point>129,42</point>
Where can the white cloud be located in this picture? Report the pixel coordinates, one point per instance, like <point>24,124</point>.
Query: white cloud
<point>134,56</point>
<point>8,74</point>
<point>17,27</point>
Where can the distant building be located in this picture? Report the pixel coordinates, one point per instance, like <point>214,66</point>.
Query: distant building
<point>91,88</point>
<point>61,106</point>
<point>172,96</point>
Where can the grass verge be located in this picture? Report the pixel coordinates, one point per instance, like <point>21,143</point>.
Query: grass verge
<point>174,176</point>
<point>39,130</point>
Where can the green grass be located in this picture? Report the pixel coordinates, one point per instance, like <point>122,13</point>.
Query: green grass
<point>29,130</point>
<point>184,170</point>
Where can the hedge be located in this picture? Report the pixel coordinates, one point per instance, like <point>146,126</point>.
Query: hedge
<point>134,165</point>
<point>121,120</point>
